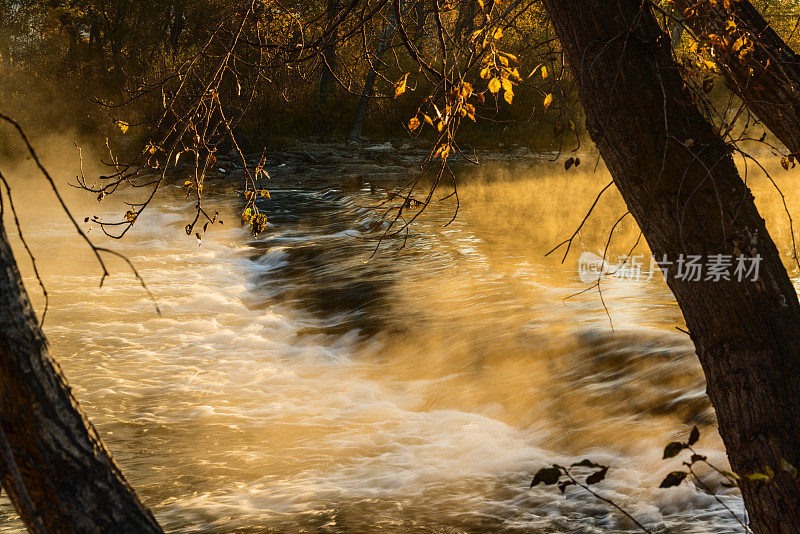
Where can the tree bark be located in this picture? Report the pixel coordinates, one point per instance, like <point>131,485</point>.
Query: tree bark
<point>767,79</point>
<point>465,24</point>
<point>53,465</point>
<point>327,78</point>
<point>389,29</point>
<point>680,183</point>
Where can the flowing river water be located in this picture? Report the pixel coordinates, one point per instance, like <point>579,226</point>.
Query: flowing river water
<point>290,386</point>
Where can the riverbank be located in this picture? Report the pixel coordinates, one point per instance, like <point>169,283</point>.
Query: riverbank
<point>306,163</point>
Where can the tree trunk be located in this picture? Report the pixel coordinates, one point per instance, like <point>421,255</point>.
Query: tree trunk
<point>363,103</point>
<point>327,78</point>
<point>389,30</point>
<point>767,78</point>
<point>177,24</point>
<point>5,50</point>
<point>681,185</point>
<point>465,24</point>
<point>53,465</point>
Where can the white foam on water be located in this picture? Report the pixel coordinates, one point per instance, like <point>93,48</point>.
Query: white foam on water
<point>226,416</point>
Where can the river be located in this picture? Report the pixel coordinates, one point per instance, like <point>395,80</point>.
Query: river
<point>292,386</point>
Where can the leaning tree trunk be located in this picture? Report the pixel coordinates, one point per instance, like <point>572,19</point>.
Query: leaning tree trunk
<point>53,465</point>
<point>389,29</point>
<point>757,64</point>
<point>681,185</point>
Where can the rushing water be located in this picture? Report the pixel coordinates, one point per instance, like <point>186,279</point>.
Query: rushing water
<point>290,386</point>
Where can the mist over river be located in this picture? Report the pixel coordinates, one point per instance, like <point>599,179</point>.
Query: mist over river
<point>292,386</point>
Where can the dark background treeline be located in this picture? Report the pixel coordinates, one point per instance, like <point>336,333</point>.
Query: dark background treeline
<point>59,58</point>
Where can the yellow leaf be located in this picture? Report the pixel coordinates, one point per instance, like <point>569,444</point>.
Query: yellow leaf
<point>544,72</point>
<point>508,96</point>
<point>494,85</point>
<point>264,193</point>
<point>470,109</point>
<point>188,183</point>
<point>400,86</point>
<point>413,124</point>
<point>498,33</point>
<point>507,85</point>
<point>130,216</point>
<point>485,72</point>
<point>123,126</point>
<point>443,151</point>
<point>548,100</point>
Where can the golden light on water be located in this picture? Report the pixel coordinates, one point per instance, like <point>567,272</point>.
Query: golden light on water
<point>290,386</point>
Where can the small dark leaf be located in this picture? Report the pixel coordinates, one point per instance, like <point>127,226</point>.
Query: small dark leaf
<point>763,136</point>
<point>673,449</point>
<point>694,435</point>
<point>577,162</point>
<point>563,485</point>
<point>546,475</point>
<point>673,479</point>
<point>698,458</point>
<point>597,476</point>
<point>727,485</point>
<point>569,163</point>
<point>86,220</point>
<point>188,229</point>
